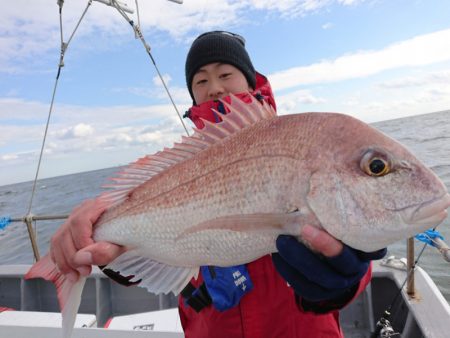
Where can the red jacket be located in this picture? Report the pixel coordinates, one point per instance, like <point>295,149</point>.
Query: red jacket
<point>271,309</point>
<point>204,110</point>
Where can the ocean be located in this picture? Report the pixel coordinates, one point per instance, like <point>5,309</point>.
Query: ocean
<point>428,136</point>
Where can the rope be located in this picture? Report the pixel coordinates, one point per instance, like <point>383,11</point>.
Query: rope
<point>137,14</point>
<point>64,47</point>
<point>429,236</point>
<point>139,34</point>
<point>4,222</point>
<point>433,238</point>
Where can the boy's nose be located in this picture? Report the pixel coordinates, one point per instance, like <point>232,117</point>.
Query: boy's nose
<point>215,91</point>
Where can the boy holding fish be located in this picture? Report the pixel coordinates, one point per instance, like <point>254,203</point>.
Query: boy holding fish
<point>296,292</point>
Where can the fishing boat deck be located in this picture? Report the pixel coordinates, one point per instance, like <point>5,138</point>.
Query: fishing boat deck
<point>425,315</point>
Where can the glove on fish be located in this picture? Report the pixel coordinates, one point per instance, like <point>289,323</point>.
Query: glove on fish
<point>317,278</point>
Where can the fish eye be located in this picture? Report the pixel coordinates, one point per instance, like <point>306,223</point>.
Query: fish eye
<point>378,167</point>
<point>374,165</point>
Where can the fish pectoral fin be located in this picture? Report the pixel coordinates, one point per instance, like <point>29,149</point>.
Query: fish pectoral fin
<point>156,277</point>
<point>283,223</point>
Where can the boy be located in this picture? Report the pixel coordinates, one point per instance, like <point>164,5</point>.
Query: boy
<point>320,281</point>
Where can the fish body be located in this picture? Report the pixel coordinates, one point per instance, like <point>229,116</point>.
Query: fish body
<point>208,209</point>
<point>223,196</point>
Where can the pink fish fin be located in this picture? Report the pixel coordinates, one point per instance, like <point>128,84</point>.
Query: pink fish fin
<point>146,167</point>
<point>156,277</point>
<point>240,116</point>
<point>281,223</point>
<point>137,173</point>
<point>246,114</point>
<point>69,293</point>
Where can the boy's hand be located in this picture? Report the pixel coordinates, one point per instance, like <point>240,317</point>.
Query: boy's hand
<point>72,248</point>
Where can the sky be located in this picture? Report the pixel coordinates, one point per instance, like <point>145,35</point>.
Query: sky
<point>372,59</point>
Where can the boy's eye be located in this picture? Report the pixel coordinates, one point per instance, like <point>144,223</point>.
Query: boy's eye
<point>202,81</point>
<point>225,75</point>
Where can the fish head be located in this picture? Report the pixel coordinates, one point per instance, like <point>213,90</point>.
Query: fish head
<point>370,191</point>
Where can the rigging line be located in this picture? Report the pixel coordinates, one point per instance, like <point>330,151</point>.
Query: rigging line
<point>61,64</point>
<point>79,22</point>
<point>139,34</point>
<point>60,22</point>
<point>137,13</point>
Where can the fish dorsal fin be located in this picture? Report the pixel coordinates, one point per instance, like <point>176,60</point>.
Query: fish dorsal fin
<point>240,116</point>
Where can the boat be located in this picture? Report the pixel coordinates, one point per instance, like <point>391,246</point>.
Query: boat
<point>385,309</point>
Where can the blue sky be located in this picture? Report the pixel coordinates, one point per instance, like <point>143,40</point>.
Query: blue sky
<point>373,59</point>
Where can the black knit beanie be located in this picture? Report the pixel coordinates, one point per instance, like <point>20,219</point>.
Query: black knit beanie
<point>218,46</point>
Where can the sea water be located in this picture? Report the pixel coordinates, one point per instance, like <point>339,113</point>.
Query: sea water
<point>428,136</point>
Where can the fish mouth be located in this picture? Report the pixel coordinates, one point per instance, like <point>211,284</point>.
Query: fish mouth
<point>432,212</point>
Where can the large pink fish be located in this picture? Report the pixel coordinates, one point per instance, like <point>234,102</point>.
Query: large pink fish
<point>222,196</point>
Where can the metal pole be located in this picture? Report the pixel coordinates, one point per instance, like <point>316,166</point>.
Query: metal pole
<point>410,288</point>
<point>28,221</point>
<point>38,218</point>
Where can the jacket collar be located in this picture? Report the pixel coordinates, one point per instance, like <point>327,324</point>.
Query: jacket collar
<point>263,91</point>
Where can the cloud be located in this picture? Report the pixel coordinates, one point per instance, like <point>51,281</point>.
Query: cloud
<point>29,29</point>
<point>418,51</point>
<point>157,80</point>
<point>291,8</point>
<point>128,129</point>
<point>294,102</point>
<point>157,91</point>
<point>350,2</point>
<point>80,130</point>
<point>9,157</point>
<point>18,109</point>
<point>418,80</point>
<point>404,96</point>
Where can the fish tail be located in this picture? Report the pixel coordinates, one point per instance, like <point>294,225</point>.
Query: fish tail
<point>68,292</point>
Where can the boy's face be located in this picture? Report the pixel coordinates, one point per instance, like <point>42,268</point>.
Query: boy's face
<point>216,80</point>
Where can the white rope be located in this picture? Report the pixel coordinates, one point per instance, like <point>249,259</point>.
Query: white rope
<point>139,35</point>
<point>64,47</point>
<point>137,14</point>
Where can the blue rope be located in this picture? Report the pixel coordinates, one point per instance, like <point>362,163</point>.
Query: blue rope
<point>428,236</point>
<point>4,221</point>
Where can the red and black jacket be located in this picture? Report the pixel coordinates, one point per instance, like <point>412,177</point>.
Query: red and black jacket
<point>271,308</point>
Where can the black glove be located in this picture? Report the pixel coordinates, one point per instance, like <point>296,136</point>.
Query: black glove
<point>318,278</point>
